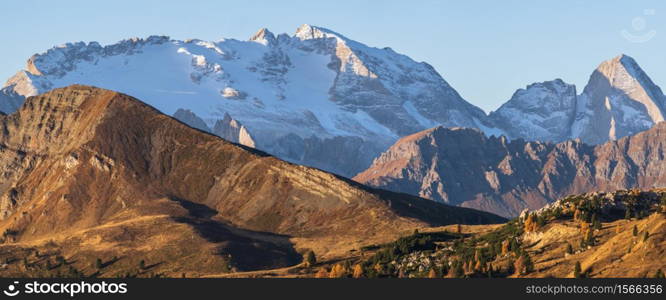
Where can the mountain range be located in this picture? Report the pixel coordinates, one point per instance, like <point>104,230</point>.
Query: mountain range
<point>461,166</point>
<point>76,185</point>
<point>321,99</point>
<point>618,100</point>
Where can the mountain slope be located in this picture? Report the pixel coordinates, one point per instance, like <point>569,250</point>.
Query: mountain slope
<point>296,95</point>
<point>88,173</point>
<point>619,234</point>
<point>463,167</point>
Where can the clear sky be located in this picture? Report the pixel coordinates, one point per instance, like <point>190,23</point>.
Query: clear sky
<point>484,49</point>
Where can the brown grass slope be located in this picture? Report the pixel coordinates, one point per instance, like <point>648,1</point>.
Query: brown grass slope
<point>88,173</point>
<point>616,234</point>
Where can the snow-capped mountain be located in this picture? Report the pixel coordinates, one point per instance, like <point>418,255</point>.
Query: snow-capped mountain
<point>619,100</point>
<point>543,111</point>
<point>316,98</point>
<point>320,99</point>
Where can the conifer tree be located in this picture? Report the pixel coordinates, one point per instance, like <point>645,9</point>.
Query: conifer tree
<point>310,259</point>
<point>458,270</point>
<point>529,265</point>
<point>596,224</point>
<point>514,246</point>
<point>589,239</point>
<point>577,270</point>
<point>510,266</point>
<point>635,231</point>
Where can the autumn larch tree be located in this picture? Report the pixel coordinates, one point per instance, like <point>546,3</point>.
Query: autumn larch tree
<point>358,271</point>
<point>322,273</point>
<point>432,273</point>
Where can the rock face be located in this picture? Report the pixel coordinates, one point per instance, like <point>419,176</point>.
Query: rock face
<point>619,100</point>
<point>188,117</point>
<point>232,130</point>
<point>98,172</point>
<point>463,167</point>
<point>9,100</point>
<point>316,88</point>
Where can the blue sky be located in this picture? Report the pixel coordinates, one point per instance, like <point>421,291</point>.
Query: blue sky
<point>484,49</point>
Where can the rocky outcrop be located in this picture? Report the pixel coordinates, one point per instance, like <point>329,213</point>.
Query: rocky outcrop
<point>232,130</point>
<point>463,167</point>
<point>188,117</point>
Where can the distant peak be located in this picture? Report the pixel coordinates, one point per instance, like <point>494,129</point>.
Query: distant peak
<point>624,58</point>
<point>263,36</point>
<point>308,32</point>
<point>620,60</point>
<point>623,63</point>
<point>557,82</point>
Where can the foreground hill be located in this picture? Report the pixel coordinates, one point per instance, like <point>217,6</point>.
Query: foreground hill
<point>463,167</point>
<point>93,174</point>
<point>609,235</point>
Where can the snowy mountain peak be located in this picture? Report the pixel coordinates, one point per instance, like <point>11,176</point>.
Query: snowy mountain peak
<point>620,99</point>
<point>315,98</point>
<point>309,32</point>
<point>264,36</point>
<point>542,111</point>
<point>619,63</point>
<point>61,59</point>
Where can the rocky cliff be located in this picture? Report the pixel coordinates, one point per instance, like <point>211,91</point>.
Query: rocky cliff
<point>464,167</point>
